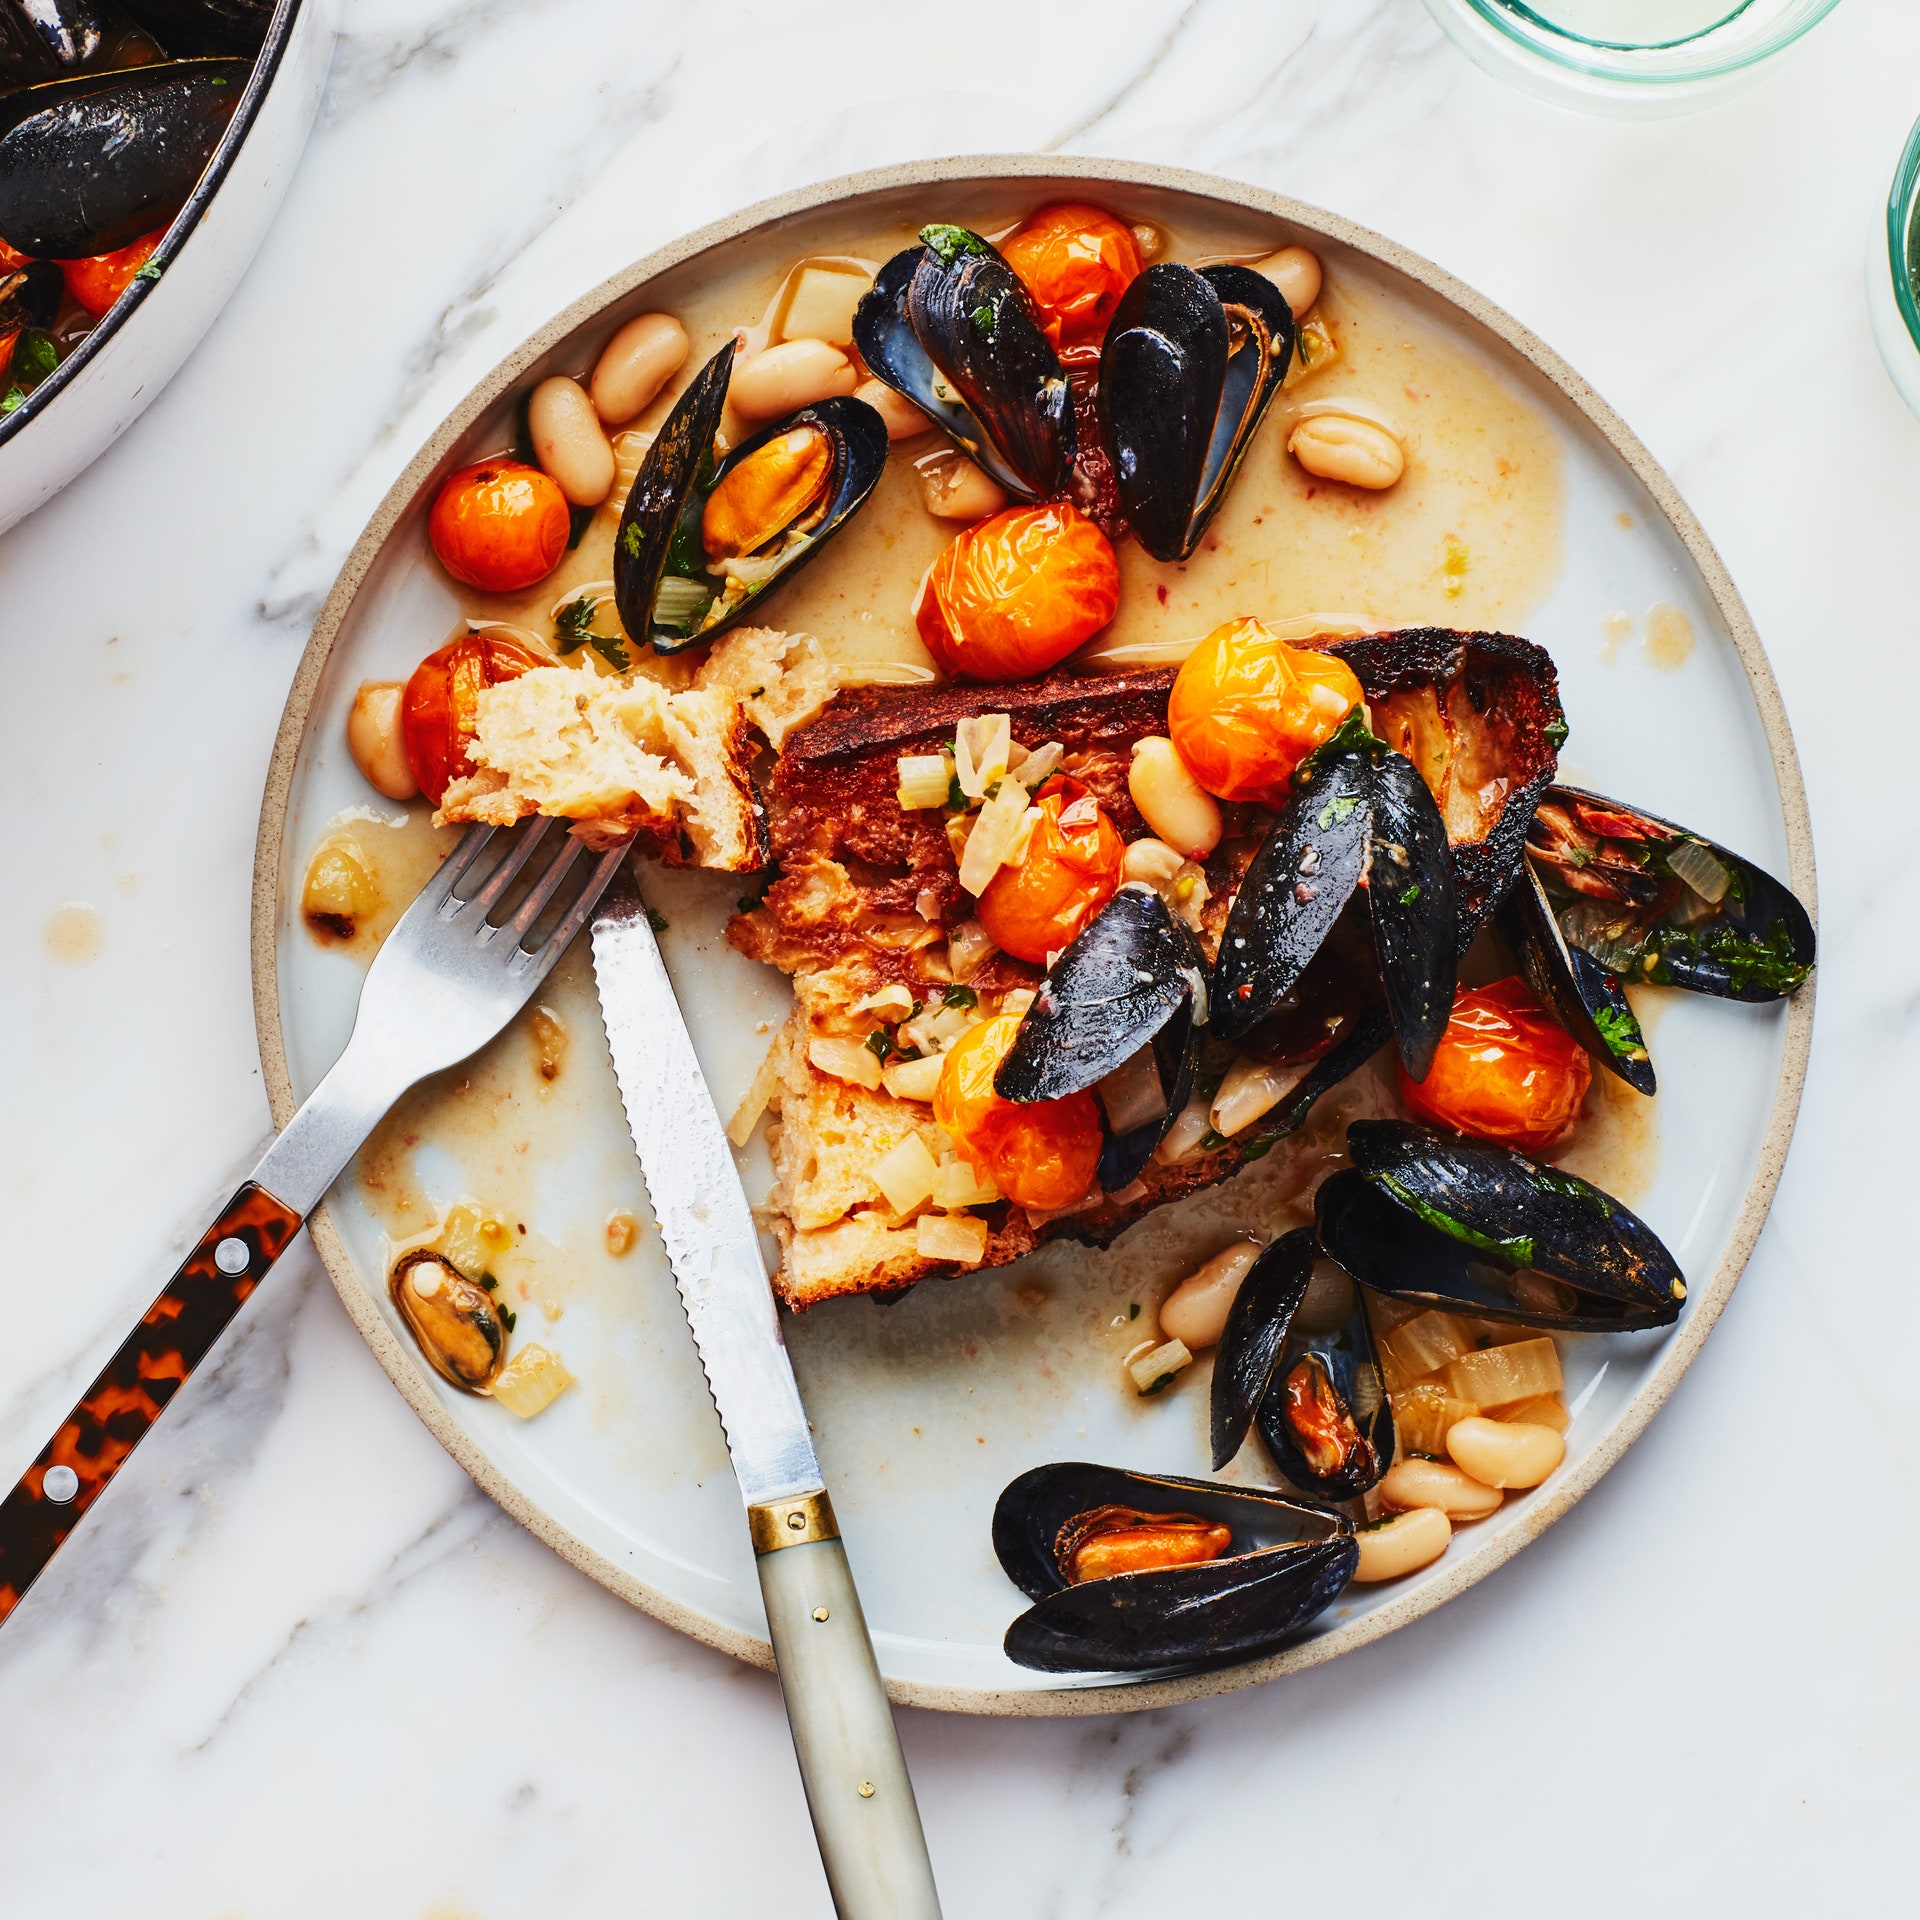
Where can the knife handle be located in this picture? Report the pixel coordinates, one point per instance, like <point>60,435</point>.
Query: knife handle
<point>173,1337</point>
<point>843,1734</point>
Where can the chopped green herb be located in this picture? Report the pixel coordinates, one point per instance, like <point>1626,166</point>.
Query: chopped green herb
<point>1165,1380</point>
<point>880,1044</point>
<point>1353,735</point>
<point>1339,808</point>
<point>151,271</point>
<point>1212,1142</point>
<point>955,798</point>
<point>1133,1309</point>
<point>613,650</point>
<point>1549,1180</point>
<point>1517,1252</point>
<point>14,397</point>
<point>573,625</point>
<point>1621,1031</point>
<point>1556,734</point>
<point>489,1282</point>
<point>982,318</point>
<point>34,357</point>
<point>656,920</point>
<point>579,519</point>
<point>950,242</point>
<point>630,540</point>
<point>511,1318</point>
<point>959,997</point>
<point>1259,1146</point>
<point>1410,894</point>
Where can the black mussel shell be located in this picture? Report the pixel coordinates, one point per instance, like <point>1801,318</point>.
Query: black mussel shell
<point>1582,995</point>
<point>1289,1561</point>
<point>1431,1216</point>
<point>952,327</point>
<point>1410,897</point>
<point>659,537</point>
<point>1176,1058</point>
<point>1337,1369</point>
<point>1621,884</point>
<point>89,165</point>
<point>30,296</point>
<point>1256,1330</point>
<point>52,39</point>
<point>1190,363</point>
<point>205,26</point>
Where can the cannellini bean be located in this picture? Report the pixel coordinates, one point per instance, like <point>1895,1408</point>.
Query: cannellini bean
<point>1433,1483</point>
<point>1171,801</point>
<point>1296,272</point>
<point>904,420</point>
<point>1342,446</point>
<point>955,488</point>
<point>1403,1544</point>
<point>1505,1453</point>
<point>1195,1312</point>
<point>635,364</point>
<point>568,441</point>
<point>375,741</point>
<point>796,373</point>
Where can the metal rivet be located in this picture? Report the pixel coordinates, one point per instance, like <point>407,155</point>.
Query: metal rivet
<point>866,1789</point>
<point>231,1256</point>
<point>60,1484</point>
<point>819,1613</point>
<point>797,1520</point>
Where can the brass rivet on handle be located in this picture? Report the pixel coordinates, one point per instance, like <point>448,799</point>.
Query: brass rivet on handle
<point>819,1613</point>
<point>797,1521</point>
<point>866,1789</point>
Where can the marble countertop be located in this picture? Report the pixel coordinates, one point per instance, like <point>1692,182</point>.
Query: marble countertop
<point>296,1665</point>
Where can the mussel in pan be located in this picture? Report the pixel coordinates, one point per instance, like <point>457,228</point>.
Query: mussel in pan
<point>1191,361</point>
<point>700,540</point>
<point>205,26</point>
<point>53,39</point>
<point>1134,1571</point>
<point>1463,1224</point>
<point>89,165</point>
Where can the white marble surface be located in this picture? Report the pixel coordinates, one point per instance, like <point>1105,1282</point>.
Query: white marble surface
<point>295,1665</point>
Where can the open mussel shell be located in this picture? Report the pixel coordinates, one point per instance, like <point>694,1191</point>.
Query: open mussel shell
<point>205,26</point>
<point>1582,995</point>
<point>1189,366</point>
<point>453,1320</point>
<point>952,327</point>
<point>1325,1416</point>
<point>1463,1224</point>
<point>53,39</point>
<point>1410,898</point>
<point>787,490</point>
<point>30,296</point>
<point>1287,1561</point>
<point>1250,1343</point>
<point>1650,900</point>
<point>89,165</point>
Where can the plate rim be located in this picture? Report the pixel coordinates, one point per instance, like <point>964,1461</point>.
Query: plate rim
<point>1076,170</point>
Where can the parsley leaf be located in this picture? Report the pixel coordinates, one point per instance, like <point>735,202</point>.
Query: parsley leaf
<point>950,242</point>
<point>657,920</point>
<point>1517,1252</point>
<point>879,1043</point>
<point>1621,1031</point>
<point>573,625</point>
<point>959,997</point>
<point>1410,895</point>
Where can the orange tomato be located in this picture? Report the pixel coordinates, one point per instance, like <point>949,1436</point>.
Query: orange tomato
<point>1076,262</point>
<point>1246,709</point>
<point>1071,871</point>
<point>1018,592</point>
<point>499,525</point>
<point>1039,1153</point>
<point>439,707</point>
<point>97,283</point>
<point>1505,1070</point>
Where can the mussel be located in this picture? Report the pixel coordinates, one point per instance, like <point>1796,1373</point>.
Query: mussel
<point>1121,1009</point>
<point>89,165</point>
<point>1133,1571</point>
<point>52,39</point>
<point>952,327</point>
<point>205,26</point>
<point>700,542</point>
<point>1190,363</point>
<point>1615,894</point>
<point>29,297</point>
<point>453,1319</point>
<point>1463,1224</point>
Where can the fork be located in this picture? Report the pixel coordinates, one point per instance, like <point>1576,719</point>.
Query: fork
<point>446,980</point>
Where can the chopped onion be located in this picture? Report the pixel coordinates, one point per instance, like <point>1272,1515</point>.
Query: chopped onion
<point>956,1185</point>
<point>846,1060</point>
<point>925,780</point>
<point>1152,1370</point>
<point>746,1116</point>
<point>1498,1376</point>
<point>969,948</point>
<point>1693,861</point>
<point>913,1079</point>
<point>995,829</point>
<point>905,1173</point>
<point>1422,1415</point>
<point>1016,853</point>
<point>951,1236</point>
<point>1252,1089</point>
<point>1034,769</point>
<point>1016,1000</point>
<point>1131,1093</point>
<point>1425,1344</point>
<point>1611,939</point>
<point>981,747</point>
<point>679,602</point>
<point>893,1000</point>
<point>531,1381</point>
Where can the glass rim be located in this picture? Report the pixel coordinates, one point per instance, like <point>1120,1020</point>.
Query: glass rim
<point>1522,27</point>
<point>1901,201</point>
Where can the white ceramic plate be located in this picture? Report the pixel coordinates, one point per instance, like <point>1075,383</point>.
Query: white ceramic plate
<point>925,1409</point>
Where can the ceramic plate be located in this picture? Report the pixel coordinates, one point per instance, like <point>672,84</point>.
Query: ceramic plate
<point>1534,510</point>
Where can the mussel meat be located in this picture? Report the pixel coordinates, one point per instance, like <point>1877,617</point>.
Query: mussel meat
<point>453,1319</point>
<point>1134,1571</point>
<point>1464,1224</point>
<point>1190,363</point>
<point>699,542</point>
<point>90,164</point>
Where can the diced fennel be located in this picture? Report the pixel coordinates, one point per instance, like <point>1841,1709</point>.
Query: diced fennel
<point>1498,1376</point>
<point>981,747</point>
<point>994,832</point>
<point>956,1185</point>
<point>913,1079</point>
<point>1150,1371</point>
<point>845,1060</point>
<point>925,780</point>
<point>951,1236</point>
<point>1426,1343</point>
<point>679,602</point>
<point>1693,861</point>
<point>531,1381</point>
<point>905,1173</point>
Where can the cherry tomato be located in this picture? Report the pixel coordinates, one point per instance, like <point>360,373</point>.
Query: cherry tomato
<point>1505,1070</point>
<point>1018,592</point>
<point>1076,262</point>
<point>441,702</point>
<point>1071,871</point>
<point>1247,708</point>
<point>500,525</point>
<point>97,283</point>
<point>1039,1153</point>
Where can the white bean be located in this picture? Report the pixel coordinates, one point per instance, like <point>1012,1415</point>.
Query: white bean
<point>635,364</point>
<point>955,488</point>
<point>1401,1545</point>
<point>1433,1483</point>
<point>1296,272</point>
<point>1342,446</point>
<point>1505,1453</point>
<point>375,740</point>
<point>1171,801</point>
<point>796,373</point>
<point>904,420</point>
<point>1196,1310</point>
<point>569,443</point>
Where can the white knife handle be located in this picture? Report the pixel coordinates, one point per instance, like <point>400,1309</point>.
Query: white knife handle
<point>843,1734</point>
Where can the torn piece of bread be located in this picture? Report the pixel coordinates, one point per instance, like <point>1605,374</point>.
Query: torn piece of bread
<point>781,680</point>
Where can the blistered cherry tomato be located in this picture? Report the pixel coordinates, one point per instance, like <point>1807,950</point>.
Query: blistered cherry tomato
<point>1071,871</point>
<point>1018,592</point>
<point>1247,708</point>
<point>500,525</point>
<point>1039,1153</point>
<point>1076,262</point>
<point>97,283</point>
<point>439,708</point>
<point>1505,1070</point>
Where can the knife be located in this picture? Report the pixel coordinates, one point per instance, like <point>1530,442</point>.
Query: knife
<point>843,1733</point>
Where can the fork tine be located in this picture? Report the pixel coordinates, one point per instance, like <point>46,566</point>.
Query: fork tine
<point>530,909</point>
<point>503,876</point>
<point>454,868</point>
<point>575,916</point>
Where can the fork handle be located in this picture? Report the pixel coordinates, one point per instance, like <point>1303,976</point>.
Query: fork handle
<point>174,1335</point>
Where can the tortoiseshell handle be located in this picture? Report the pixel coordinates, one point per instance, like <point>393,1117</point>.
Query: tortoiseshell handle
<point>135,1386</point>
